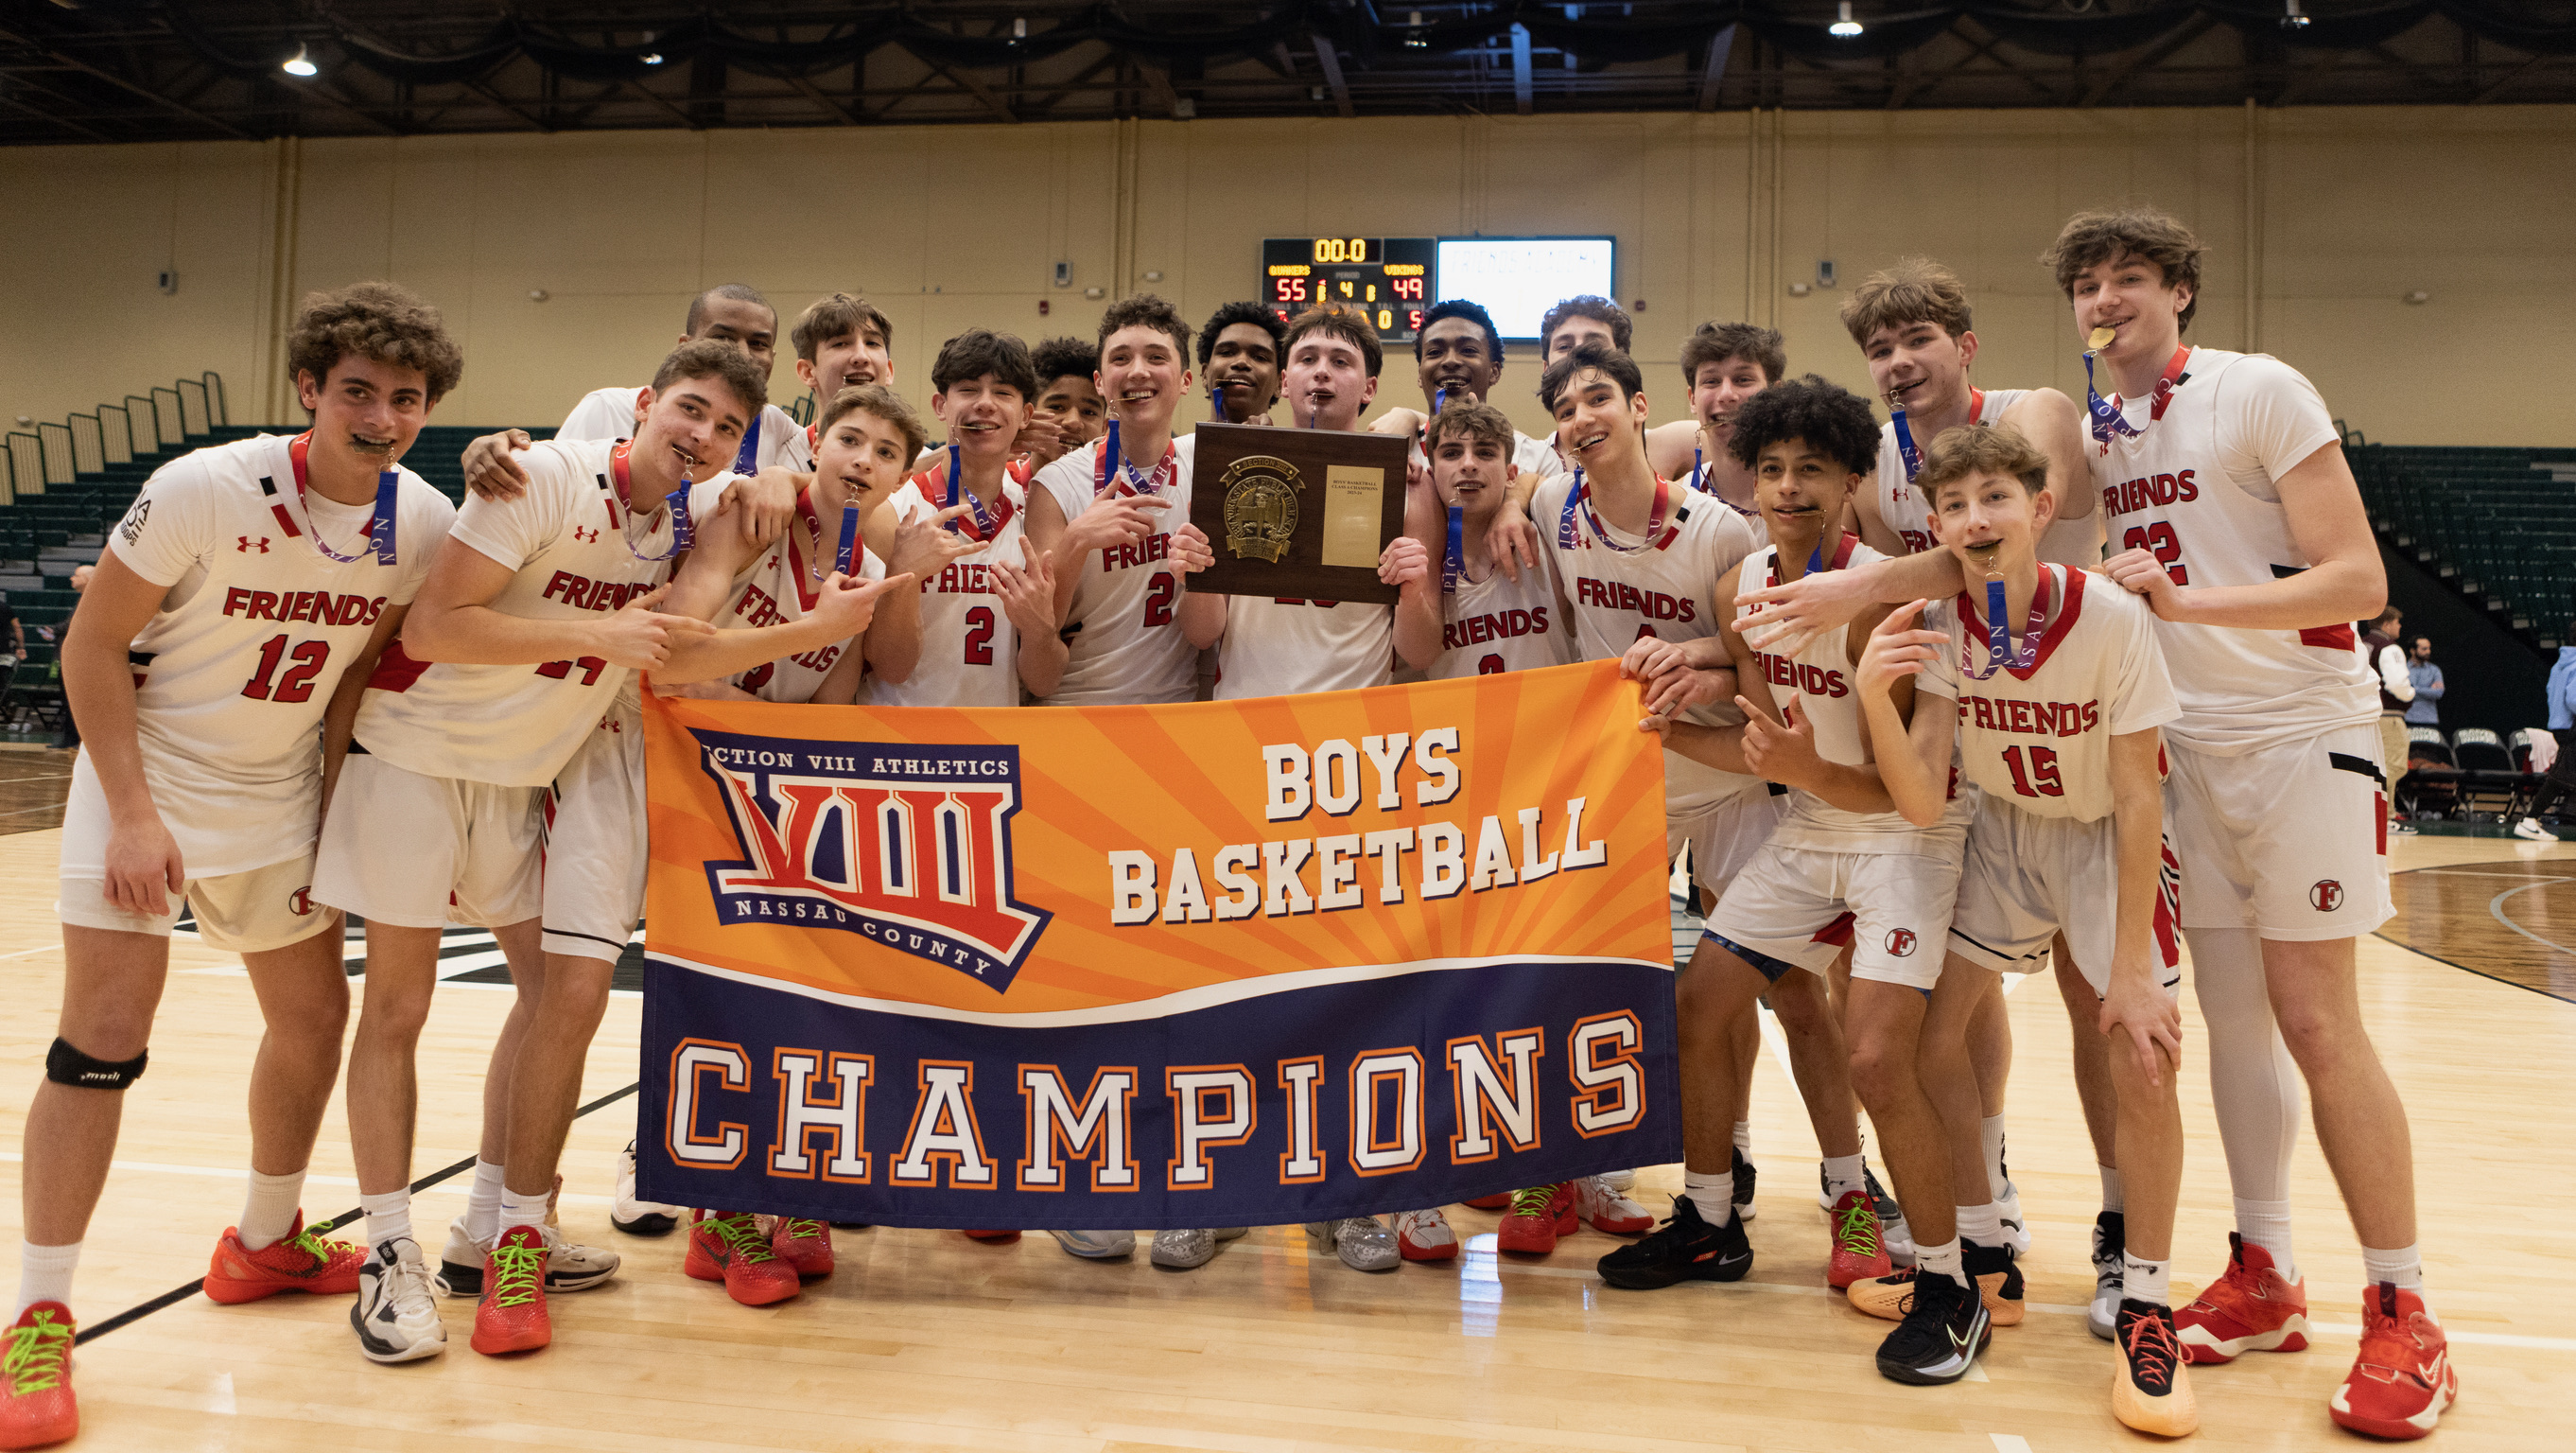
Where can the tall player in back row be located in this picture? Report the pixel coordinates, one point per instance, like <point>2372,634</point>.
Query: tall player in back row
<point>2225,490</point>
<point>245,579</point>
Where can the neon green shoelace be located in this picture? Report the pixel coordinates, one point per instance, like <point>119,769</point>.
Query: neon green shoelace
<point>36,1353</point>
<point>1532,1200</point>
<point>311,1244</point>
<point>518,1271</point>
<point>796,1226</point>
<point>742,1233</point>
<point>1858,1229</point>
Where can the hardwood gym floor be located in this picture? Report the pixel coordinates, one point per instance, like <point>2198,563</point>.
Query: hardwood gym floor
<point>926,1340</point>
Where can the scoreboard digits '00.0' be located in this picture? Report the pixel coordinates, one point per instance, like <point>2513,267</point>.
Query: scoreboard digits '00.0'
<point>1389,277</point>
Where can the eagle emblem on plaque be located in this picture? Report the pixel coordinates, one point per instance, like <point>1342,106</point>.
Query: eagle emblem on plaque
<point>1260,506</point>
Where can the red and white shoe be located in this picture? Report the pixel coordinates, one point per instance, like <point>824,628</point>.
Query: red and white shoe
<point>2250,1308</point>
<point>2403,1379</point>
<point>36,1404</point>
<point>511,1315</point>
<point>804,1245</point>
<point>300,1262</point>
<point>1539,1215</point>
<point>1425,1236</point>
<point>1607,1210</point>
<point>730,1248</point>
<point>1860,1252</point>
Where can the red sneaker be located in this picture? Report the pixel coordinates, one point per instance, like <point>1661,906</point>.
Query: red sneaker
<point>1536,1219</point>
<point>998,1238</point>
<point>2403,1379</point>
<point>36,1405</point>
<point>1859,1254</point>
<point>511,1316</point>
<point>730,1249</point>
<point>302,1262</point>
<point>1489,1203</point>
<point>804,1245</point>
<point>2249,1309</point>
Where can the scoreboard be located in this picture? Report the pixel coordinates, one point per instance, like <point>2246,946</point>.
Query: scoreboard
<point>1391,278</point>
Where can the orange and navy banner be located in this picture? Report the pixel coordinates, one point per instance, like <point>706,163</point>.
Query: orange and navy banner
<point>1213,964</point>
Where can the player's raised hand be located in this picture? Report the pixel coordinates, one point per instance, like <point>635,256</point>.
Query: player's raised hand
<point>763,505</point>
<point>1191,550</point>
<point>845,606</point>
<point>1675,692</point>
<point>490,471</point>
<point>1028,592</point>
<point>924,545</point>
<point>1117,520</point>
<point>143,867</point>
<point>1895,651</point>
<point>1648,657</point>
<point>2151,1017</point>
<point>1513,542</point>
<point>1404,562</point>
<point>1786,617</point>
<point>1041,439</point>
<point>2140,573</point>
<point>636,636</point>
<point>1782,754</point>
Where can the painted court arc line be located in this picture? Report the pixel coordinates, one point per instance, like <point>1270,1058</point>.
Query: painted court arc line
<point>2495,907</point>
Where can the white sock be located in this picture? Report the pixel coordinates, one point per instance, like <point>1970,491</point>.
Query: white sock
<point>2404,1266</point>
<point>483,1202</point>
<point>2267,1224</point>
<point>1844,1174</point>
<point>2146,1281</point>
<point>2115,1197</point>
<point>1992,1129</point>
<point>1744,1137</point>
<point>1944,1259</point>
<point>388,1215</point>
<point>519,1210</point>
<point>1713,1194</point>
<point>1983,1225</point>
<point>45,1274</point>
<point>269,1211</point>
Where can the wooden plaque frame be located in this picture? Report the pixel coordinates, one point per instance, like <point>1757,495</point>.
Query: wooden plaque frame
<point>1257,488</point>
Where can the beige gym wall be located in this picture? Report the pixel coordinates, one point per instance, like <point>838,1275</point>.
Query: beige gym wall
<point>2347,210</point>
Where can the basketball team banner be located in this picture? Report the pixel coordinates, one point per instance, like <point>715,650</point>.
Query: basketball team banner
<point>1211,964</point>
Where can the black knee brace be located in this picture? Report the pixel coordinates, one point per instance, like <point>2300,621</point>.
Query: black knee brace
<point>65,1065</point>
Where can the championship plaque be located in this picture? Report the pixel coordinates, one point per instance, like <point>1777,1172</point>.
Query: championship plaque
<point>1297,514</point>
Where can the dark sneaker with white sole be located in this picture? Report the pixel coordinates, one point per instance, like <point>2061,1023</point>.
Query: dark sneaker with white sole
<point>1684,1248</point>
<point>1945,1327</point>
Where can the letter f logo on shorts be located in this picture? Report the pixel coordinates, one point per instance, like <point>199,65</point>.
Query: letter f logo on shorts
<point>300,902</point>
<point>2326,896</point>
<point>1900,942</point>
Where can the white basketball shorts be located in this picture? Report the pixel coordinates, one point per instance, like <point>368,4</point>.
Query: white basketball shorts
<point>595,847</point>
<point>2029,877</point>
<point>1725,837</point>
<point>422,852</point>
<point>1800,906</point>
<point>2290,840</point>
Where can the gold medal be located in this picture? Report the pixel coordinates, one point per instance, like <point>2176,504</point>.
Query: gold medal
<point>2100,339</point>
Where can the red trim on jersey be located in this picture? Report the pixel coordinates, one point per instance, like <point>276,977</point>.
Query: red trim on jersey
<point>2054,632</point>
<point>2335,638</point>
<point>396,669</point>
<point>1841,560</point>
<point>966,524</point>
<point>808,590</point>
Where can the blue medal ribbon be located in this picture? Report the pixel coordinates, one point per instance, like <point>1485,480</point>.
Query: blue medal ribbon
<point>1454,559</point>
<point>842,557</point>
<point>683,532</point>
<point>986,525</point>
<point>746,460</point>
<point>2107,420</point>
<point>1905,449</point>
<point>380,524</point>
<point>2000,652</point>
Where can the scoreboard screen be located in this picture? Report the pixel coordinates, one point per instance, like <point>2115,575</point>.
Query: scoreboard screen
<point>1392,278</point>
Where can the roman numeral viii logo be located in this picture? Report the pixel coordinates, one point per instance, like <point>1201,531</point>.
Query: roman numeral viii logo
<point>908,846</point>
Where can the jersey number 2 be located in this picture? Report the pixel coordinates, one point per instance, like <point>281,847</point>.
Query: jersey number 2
<point>2042,770</point>
<point>979,636</point>
<point>1158,598</point>
<point>2158,540</point>
<point>297,684</point>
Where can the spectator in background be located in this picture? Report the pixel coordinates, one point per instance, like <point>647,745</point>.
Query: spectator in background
<point>2560,784</point>
<point>16,632</point>
<point>2396,690</point>
<point>2425,709</point>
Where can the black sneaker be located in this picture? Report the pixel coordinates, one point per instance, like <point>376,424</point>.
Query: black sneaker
<point>2110,1241</point>
<point>1685,1248</point>
<point>1997,1278</point>
<point>1745,1175</point>
<point>1945,1327</point>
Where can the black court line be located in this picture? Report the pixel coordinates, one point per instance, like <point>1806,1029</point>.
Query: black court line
<point>176,1295</point>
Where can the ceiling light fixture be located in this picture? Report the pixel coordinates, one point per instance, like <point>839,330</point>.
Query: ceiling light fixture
<point>1845,26</point>
<point>651,58</point>
<point>300,64</point>
<point>2291,19</point>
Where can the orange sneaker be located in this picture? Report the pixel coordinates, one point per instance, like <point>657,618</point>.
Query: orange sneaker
<point>36,1405</point>
<point>2248,1309</point>
<point>512,1317</point>
<point>1538,1216</point>
<point>804,1245</point>
<point>1489,1203</point>
<point>998,1238</point>
<point>730,1249</point>
<point>2403,1379</point>
<point>301,1262</point>
<point>1859,1253</point>
<point>2150,1392</point>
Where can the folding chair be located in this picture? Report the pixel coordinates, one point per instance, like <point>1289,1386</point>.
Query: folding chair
<point>2486,771</point>
<point>2431,779</point>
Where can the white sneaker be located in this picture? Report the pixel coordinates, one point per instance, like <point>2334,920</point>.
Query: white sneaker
<point>2530,828</point>
<point>634,1217</point>
<point>396,1318</point>
<point>2016,1230</point>
<point>1182,1249</point>
<point>570,1267</point>
<point>1096,1245</point>
<point>1425,1235</point>
<point>1604,1209</point>
<point>1362,1242</point>
<point>1619,1180</point>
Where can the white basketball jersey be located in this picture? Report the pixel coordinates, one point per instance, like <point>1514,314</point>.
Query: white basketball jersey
<point>1698,481</point>
<point>1123,643</point>
<point>1536,458</point>
<point>969,648</point>
<point>1498,624</point>
<point>1631,587</point>
<point>2195,489</point>
<point>1820,679</point>
<point>782,586</point>
<point>2041,739</point>
<point>233,673</point>
<point>609,413</point>
<point>573,549</point>
<point>1900,504</point>
<point>1291,647</point>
